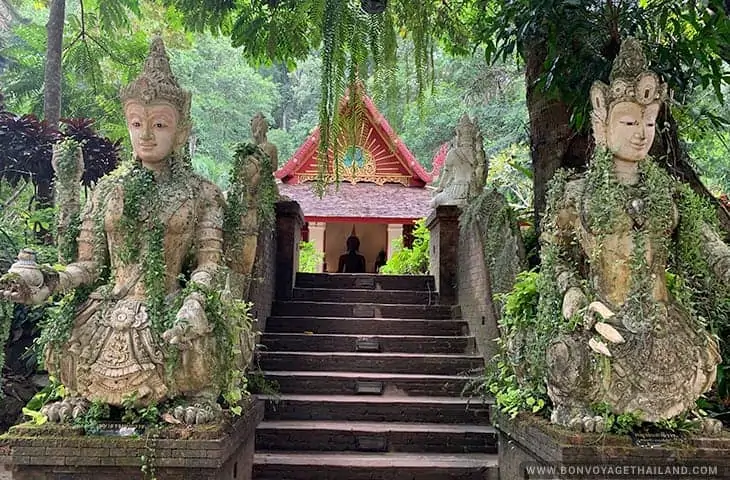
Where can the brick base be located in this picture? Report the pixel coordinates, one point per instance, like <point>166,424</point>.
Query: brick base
<point>60,453</point>
<point>528,443</point>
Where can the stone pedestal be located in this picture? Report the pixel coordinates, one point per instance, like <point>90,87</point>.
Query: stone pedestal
<point>208,452</point>
<point>443,224</point>
<point>531,448</point>
<point>289,223</point>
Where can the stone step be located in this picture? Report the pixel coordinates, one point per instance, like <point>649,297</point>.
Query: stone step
<point>365,296</point>
<point>389,408</point>
<point>338,342</point>
<point>361,383</point>
<point>360,310</point>
<point>375,437</point>
<point>430,364</point>
<point>365,326</point>
<point>370,466</point>
<point>365,281</point>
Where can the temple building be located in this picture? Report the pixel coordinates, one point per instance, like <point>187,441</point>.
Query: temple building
<point>381,195</point>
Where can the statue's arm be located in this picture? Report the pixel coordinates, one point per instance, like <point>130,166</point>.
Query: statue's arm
<point>191,320</point>
<point>716,252</point>
<point>209,235</point>
<point>91,251</point>
<point>563,237</point>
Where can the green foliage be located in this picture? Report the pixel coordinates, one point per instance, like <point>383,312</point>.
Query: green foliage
<point>55,327</point>
<point>697,287</point>
<point>148,415</point>
<point>521,352</point>
<point>310,260</point>
<point>576,40</point>
<point>622,424</point>
<point>248,156</point>
<point>414,260</point>
<point>351,41</point>
<point>89,421</point>
<point>50,393</point>
<point>6,320</point>
<point>100,53</point>
<point>227,93</point>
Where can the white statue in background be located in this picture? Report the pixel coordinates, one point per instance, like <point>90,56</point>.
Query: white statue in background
<point>465,168</point>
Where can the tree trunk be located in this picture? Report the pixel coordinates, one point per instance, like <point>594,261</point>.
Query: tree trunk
<point>672,155</point>
<point>553,142</point>
<point>51,95</point>
<point>52,74</point>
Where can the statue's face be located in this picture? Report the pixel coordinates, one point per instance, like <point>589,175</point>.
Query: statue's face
<point>630,130</point>
<point>153,130</point>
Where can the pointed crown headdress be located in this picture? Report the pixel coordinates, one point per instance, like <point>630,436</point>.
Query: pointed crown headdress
<point>157,83</point>
<point>466,130</point>
<point>630,81</point>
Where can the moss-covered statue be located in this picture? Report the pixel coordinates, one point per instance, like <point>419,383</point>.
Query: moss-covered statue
<point>608,241</point>
<point>144,316</point>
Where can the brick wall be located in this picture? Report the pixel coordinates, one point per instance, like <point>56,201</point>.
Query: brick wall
<point>261,291</point>
<point>59,453</point>
<point>475,293</point>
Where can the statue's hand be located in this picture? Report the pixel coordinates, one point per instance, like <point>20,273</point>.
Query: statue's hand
<point>19,288</point>
<point>190,322</point>
<point>573,300</point>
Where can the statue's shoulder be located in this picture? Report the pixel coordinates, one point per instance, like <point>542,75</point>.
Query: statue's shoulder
<point>111,182</point>
<point>566,189</point>
<point>206,189</point>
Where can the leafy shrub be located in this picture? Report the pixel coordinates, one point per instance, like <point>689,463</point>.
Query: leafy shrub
<point>414,260</point>
<point>310,260</point>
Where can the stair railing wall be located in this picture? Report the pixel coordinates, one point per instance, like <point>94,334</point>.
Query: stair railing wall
<point>443,225</point>
<point>289,223</point>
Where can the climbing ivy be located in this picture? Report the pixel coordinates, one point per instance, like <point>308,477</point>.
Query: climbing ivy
<point>66,167</point>
<point>6,320</point>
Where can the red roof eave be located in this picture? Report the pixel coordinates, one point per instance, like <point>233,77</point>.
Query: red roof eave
<point>302,153</point>
<point>391,220</point>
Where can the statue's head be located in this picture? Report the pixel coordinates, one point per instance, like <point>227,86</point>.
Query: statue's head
<point>624,112</point>
<point>157,110</point>
<point>352,243</point>
<point>259,128</point>
<point>466,132</point>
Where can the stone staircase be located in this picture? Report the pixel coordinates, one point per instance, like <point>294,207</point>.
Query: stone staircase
<point>370,370</point>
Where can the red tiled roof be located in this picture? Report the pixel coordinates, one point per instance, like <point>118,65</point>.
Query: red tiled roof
<point>439,159</point>
<point>361,201</point>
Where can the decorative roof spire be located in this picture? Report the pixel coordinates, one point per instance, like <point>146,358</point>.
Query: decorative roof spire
<point>157,83</point>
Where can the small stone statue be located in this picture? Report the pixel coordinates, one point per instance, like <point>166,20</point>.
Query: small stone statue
<point>149,229</point>
<point>606,245</point>
<point>259,129</point>
<point>465,168</point>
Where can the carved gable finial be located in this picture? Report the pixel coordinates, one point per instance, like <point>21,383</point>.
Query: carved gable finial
<point>157,83</point>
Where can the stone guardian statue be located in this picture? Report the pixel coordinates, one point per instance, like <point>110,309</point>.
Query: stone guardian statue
<point>465,168</point>
<point>606,245</point>
<point>150,258</point>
